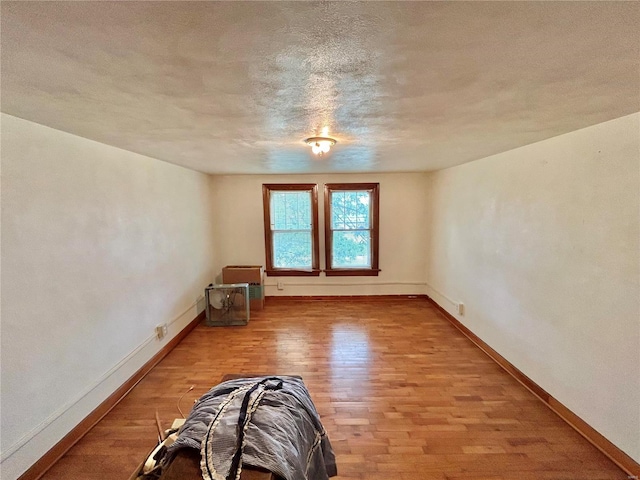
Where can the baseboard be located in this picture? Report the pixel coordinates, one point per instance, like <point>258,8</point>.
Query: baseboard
<point>617,456</point>
<point>70,439</point>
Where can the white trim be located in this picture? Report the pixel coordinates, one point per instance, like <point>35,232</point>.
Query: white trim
<point>343,287</point>
<point>6,454</point>
<point>431,290</point>
<point>343,284</point>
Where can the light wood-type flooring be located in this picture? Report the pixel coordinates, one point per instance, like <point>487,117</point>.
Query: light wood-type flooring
<point>403,395</point>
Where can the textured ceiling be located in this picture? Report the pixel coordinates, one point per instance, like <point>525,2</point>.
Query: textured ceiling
<point>234,87</point>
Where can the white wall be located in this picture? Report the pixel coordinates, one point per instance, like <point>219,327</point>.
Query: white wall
<point>237,202</point>
<point>542,245</point>
<point>99,245</point>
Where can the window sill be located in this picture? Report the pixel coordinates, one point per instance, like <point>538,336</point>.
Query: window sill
<point>293,273</point>
<point>352,272</point>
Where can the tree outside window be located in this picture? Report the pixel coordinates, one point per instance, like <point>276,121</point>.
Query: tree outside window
<point>291,229</point>
<point>351,228</point>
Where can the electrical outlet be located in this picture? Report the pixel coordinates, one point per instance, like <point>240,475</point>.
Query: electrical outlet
<point>161,331</point>
<point>460,308</point>
<point>280,285</point>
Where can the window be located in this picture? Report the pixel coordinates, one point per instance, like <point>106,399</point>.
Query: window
<point>291,229</point>
<point>351,228</point>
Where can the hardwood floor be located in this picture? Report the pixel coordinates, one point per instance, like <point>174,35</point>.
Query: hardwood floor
<point>401,392</point>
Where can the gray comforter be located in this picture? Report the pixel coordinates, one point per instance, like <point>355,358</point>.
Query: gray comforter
<point>267,422</point>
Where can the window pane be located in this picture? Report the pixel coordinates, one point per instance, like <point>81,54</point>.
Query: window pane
<point>292,250</point>
<point>351,249</point>
<point>290,210</point>
<point>350,210</point>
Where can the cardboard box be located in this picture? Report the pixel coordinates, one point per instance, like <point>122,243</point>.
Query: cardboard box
<point>251,274</point>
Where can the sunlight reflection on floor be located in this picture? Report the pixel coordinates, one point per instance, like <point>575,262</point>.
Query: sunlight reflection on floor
<point>350,358</point>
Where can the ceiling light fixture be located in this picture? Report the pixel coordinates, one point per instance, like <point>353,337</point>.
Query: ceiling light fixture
<point>320,145</point>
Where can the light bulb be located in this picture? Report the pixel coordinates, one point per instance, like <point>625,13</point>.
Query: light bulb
<point>319,145</point>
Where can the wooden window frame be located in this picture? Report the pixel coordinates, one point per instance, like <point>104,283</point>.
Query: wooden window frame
<point>375,229</point>
<point>272,271</point>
